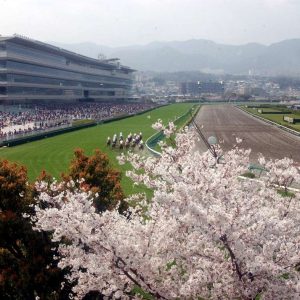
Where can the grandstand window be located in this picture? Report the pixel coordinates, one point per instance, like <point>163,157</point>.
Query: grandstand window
<point>24,51</point>
<point>42,91</point>
<point>3,90</point>
<point>3,77</point>
<point>57,72</point>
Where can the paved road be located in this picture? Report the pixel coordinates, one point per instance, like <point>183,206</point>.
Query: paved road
<point>227,122</point>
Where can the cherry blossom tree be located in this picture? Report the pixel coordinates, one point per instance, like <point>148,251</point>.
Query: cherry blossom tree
<point>206,234</point>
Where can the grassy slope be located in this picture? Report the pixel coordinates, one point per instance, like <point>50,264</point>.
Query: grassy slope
<point>276,118</point>
<point>54,154</point>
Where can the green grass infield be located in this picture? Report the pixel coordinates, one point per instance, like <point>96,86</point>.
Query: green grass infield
<point>277,118</point>
<point>55,153</point>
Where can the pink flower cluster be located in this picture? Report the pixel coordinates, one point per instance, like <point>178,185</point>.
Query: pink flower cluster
<point>167,130</point>
<point>205,233</point>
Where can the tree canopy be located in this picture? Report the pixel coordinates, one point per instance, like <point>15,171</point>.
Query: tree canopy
<point>99,177</point>
<point>27,268</point>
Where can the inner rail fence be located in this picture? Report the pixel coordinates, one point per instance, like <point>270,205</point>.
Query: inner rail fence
<point>153,140</point>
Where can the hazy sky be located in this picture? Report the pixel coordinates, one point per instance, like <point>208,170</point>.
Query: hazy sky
<point>126,22</point>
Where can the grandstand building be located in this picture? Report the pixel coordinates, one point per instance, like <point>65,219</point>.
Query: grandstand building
<point>32,71</point>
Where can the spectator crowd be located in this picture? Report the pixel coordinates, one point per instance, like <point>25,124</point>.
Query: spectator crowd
<point>15,122</point>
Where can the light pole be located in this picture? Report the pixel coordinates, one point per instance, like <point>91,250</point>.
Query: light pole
<point>209,143</point>
<point>199,90</point>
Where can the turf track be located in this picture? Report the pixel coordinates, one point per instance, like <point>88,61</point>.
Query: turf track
<point>54,154</point>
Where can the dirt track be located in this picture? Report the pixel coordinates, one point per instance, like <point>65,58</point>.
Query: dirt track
<point>227,122</point>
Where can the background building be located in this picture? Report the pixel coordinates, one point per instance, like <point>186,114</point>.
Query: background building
<point>202,87</point>
<point>34,71</point>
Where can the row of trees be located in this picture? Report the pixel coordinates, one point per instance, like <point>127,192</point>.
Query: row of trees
<point>27,267</point>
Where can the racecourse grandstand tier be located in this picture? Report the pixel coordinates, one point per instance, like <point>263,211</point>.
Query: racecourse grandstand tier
<point>32,71</point>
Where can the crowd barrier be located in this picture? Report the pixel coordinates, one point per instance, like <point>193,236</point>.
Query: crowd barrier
<point>42,135</point>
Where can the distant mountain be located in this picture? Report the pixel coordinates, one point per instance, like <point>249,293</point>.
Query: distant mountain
<point>203,55</point>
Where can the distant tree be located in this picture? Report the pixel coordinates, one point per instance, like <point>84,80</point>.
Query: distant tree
<point>99,177</point>
<point>27,268</point>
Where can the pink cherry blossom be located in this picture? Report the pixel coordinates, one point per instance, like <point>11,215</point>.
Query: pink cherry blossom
<point>205,234</point>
